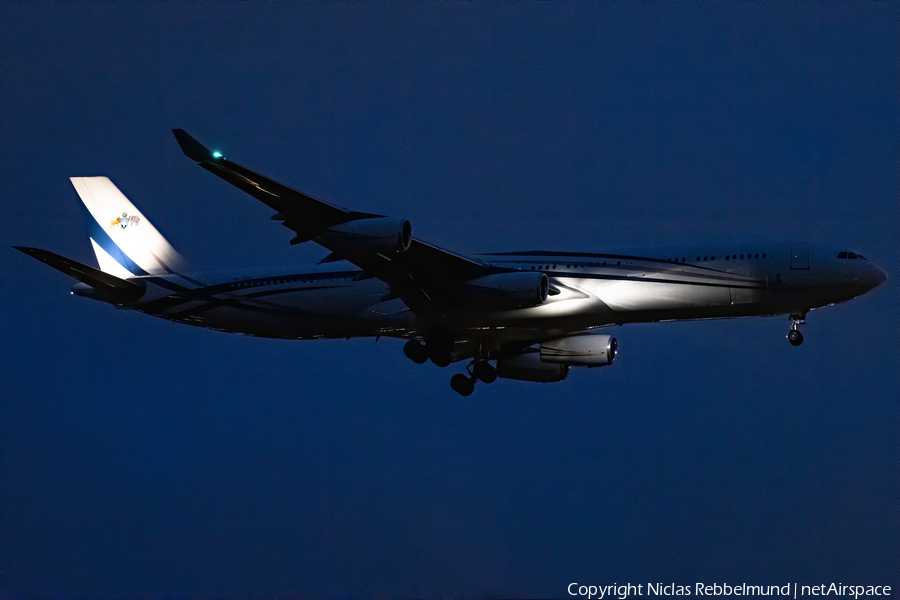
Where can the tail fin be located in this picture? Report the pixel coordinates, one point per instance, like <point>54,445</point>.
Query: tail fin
<point>125,242</point>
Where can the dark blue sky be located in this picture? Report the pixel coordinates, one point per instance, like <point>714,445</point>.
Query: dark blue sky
<point>146,459</point>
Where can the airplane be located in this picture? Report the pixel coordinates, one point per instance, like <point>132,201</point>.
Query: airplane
<point>533,314</point>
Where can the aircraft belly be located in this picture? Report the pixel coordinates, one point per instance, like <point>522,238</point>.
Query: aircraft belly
<point>281,324</point>
<point>333,301</point>
<point>329,309</point>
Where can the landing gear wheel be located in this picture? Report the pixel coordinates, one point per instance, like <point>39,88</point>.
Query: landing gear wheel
<point>795,337</point>
<point>439,356</point>
<point>483,371</point>
<point>462,385</point>
<point>415,352</point>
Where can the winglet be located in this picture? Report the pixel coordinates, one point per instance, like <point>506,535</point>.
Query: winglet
<point>191,147</point>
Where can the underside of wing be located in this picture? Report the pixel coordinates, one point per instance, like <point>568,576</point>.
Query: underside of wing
<point>309,217</point>
<point>429,279</point>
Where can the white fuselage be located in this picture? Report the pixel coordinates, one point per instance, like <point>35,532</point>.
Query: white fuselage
<point>587,290</point>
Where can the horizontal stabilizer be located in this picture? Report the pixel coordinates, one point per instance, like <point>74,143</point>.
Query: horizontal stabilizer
<point>95,278</point>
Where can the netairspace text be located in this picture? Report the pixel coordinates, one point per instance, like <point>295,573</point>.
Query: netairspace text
<point>791,590</point>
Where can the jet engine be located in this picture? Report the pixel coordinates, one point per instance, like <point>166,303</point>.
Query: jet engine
<point>552,361</point>
<point>529,367</point>
<point>379,234</point>
<point>581,350</point>
<point>505,291</point>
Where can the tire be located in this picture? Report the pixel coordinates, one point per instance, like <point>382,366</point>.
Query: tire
<point>439,356</point>
<point>484,372</point>
<point>415,352</point>
<point>795,337</point>
<point>462,385</point>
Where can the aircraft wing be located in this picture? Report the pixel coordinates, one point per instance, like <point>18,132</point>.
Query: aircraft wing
<point>423,275</point>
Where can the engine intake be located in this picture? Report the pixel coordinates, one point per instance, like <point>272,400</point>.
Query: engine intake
<point>379,234</point>
<point>505,291</point>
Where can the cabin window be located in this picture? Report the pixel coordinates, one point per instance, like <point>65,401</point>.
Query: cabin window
<point>757,256</point>
<point>618,262</point>
<point>705,258</point>
<point>764,254</point>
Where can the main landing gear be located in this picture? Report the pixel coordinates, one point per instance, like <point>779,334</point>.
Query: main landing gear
<point>415,351</point>
<point>480,370</point>
<point>439,351</point>
<point>794,336</point>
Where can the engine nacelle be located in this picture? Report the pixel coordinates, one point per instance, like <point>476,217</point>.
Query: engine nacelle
<point>379,234</point>
<point>581,350</point>
<point>505,291</point>
<point>530,367</point>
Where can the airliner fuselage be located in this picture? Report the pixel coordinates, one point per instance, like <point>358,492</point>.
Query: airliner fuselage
<point>588,290</point>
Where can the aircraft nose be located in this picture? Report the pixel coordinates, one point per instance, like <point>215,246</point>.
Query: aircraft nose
<point>876,277</point>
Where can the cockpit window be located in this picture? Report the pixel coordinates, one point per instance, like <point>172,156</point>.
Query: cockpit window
<point>842,255</point>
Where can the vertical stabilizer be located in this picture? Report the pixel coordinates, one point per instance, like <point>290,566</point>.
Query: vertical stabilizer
<point>125,242</point>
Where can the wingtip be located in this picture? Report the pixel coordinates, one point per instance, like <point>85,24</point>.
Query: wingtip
<point>191,147</point>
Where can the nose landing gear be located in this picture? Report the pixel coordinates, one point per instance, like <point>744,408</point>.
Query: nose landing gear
<point>480,370</point>
<point>794,336</point>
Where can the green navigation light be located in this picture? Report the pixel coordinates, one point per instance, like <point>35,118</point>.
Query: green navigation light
<point>217,155</point>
